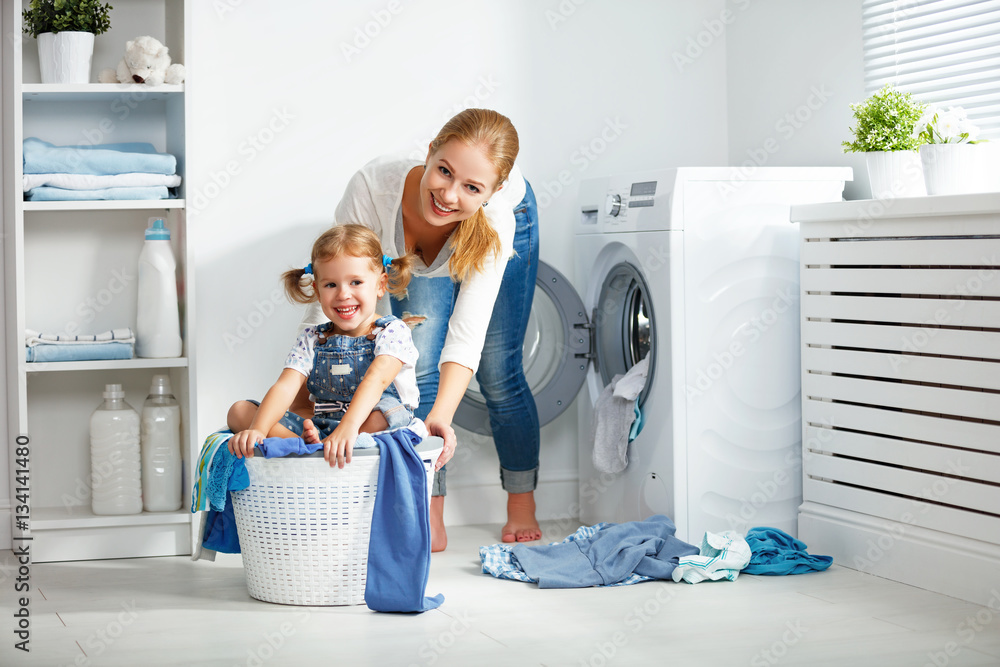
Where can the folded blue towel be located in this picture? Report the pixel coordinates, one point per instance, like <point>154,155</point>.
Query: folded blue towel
<point>41,157</point>
<point>399,547</point>
<point>774,551</point>
<point>647,548</point>
<point>80,352</point>
<point>46,193</point>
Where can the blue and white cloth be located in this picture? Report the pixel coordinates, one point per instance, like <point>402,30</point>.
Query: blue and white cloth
<point>610,555</point>
<point>46,193</point>
<point>112,344</point>
<point>497,559</point>
<point>722,556</point>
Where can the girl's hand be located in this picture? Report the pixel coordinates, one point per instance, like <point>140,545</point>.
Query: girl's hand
<point>242,443</point>
<point>339,445</point>
<point>443,430</point>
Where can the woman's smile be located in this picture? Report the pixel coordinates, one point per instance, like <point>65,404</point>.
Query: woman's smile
<point>439,208</point>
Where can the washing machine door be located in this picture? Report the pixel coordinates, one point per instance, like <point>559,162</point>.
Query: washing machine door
<point>556,347</point>
<point>623,325</point>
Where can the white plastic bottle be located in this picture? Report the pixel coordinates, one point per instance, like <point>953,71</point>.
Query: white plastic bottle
<point>161,448</point>
<point>157,328</point>
<point>114,455</point>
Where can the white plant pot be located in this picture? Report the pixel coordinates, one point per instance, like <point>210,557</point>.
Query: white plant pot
<point>895,174</point>
<point>954,169</point>
<point>65,57</point>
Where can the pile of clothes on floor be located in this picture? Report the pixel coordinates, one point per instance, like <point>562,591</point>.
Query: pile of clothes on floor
<point>97,172</point>
<point>610,554</point>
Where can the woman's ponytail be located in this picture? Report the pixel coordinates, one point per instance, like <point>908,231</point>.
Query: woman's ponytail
<point>473,241</point>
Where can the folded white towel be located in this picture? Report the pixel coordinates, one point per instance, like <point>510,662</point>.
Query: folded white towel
<point>32,337</point>
<point>99,181</point>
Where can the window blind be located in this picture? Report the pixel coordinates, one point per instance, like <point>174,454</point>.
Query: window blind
<point>945,52</point>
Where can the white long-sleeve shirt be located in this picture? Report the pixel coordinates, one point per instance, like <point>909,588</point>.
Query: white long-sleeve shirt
<point>373,198</point>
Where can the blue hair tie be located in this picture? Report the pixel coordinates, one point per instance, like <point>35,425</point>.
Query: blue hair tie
<point>386,261</point>
<point>309,269</point>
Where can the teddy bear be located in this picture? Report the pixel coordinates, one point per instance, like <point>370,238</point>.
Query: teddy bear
<point>146,61</point>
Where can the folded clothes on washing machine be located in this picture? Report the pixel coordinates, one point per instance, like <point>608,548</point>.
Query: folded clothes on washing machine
<point>614,414</point>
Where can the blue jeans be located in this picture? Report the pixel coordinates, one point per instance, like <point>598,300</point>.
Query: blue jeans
<point>513,416</point>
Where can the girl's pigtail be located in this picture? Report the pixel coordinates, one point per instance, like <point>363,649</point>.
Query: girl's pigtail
<point>298,286</point>
<point>400,271</point>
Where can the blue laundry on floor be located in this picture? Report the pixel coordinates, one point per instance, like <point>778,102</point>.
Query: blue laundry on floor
<point>41,157</point>
<point>497,560</point>
<point>776,552</point>
<point>399,547</point>
<point>648,548</point>
<point>46,193</point>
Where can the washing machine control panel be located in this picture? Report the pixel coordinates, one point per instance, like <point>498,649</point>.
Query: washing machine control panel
<point>613,205</point>
<point>638,195</point>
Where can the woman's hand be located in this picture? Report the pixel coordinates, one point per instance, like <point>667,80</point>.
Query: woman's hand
<point>443,430</point>
<point>339,445</point>
<point>242,443</point>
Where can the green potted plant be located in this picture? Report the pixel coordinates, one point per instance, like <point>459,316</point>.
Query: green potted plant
<point>65,31</point>
<point>883,131</point>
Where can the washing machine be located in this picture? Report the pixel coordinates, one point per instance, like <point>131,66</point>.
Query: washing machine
<point>696,268</point>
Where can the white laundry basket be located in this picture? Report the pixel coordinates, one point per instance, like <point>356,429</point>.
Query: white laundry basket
<point>304,526</point>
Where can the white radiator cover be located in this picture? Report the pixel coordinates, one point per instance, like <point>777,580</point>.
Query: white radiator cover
<point>900,309</point>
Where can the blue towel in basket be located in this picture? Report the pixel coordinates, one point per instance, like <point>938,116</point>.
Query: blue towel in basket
<point>399,548</point>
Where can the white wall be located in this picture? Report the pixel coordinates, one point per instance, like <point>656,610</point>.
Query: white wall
<point>283,111</point>
<point>793,69</point>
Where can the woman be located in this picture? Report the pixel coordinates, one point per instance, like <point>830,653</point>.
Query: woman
<point>471,219</point>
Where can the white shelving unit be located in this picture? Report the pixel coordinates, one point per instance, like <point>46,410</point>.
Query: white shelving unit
<point>72,266</point>
<point>901,389</point>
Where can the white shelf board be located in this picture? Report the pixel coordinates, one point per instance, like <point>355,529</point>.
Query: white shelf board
<point>96,92</point>
<point>80,516</point>
<point>110,365</point>
<point>103,205</point>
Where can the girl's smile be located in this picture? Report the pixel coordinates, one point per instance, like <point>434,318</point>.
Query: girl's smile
<point>348,289</point>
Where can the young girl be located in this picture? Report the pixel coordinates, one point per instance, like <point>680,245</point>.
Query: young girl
<point>358,366</point>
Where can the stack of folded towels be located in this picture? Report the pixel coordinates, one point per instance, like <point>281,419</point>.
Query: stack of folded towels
<point>104,171</point>
<point>113,344</point>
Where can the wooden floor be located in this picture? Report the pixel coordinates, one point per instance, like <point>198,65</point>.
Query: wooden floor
<point>172,611</point>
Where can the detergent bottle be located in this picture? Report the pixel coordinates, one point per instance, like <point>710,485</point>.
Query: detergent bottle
<point>114,456</point>
<point>157,329</point>
<point>161,448</point>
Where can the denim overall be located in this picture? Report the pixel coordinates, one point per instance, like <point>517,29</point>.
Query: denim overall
<point>339,365</point>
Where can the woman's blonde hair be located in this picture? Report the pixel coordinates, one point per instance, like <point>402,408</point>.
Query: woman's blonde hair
<point>474,239</point>
<point>354,241</point>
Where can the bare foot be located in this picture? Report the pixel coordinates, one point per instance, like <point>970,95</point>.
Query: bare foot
<point>521,524</point>
<point>439,538</point>
<point>310,434</point>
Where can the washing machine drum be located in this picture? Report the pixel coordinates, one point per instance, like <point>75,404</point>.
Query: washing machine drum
<point>556,346</point>
<point>623,325</point>
<point>560,340</point>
